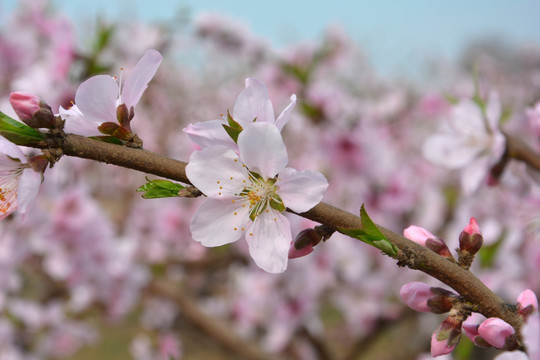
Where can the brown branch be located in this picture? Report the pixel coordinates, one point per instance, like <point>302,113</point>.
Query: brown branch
<point>410,254</point>
<point>517,149</point>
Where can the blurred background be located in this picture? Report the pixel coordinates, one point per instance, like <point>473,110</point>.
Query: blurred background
<point>96,272</point>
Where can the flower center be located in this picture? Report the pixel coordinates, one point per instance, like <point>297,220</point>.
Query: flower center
<point>261,193</point>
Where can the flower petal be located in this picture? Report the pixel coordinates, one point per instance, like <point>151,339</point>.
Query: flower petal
<point>269,239</point>
<point>301,190</point>
<point>262,149</point>
<point>208,133</point>
<point>10,149</point>
<point>27,190</point>
<point>283,118</point>
<point>253,102</point>
<point>493,111</point>
<point>76,123</point>
<point>474,173</point>
<point>217,171</point>
<point>96,98</point>
<point>450,150</point>
<point>137,82</point>
<point>218,222</point>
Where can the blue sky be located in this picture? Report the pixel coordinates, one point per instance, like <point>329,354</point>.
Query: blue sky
<point>396,34</point>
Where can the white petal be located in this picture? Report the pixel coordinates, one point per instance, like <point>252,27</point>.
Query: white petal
<point>215,222</point>
<point>10,149</point>
<point>253,102</point>
<point>283,118</point>
<point>466,118</point>
<point>269,240</point>
<point>493,111</point>
<point>473,174</point>
<point>208,133</point>
<point>96,98</point>
<point>301,190</point>
<point>27,189</point>
<point>217,171</point>
<point>140,76</point>
<point>450,150</point>
<point>262,149</point>
<point>76,122</point>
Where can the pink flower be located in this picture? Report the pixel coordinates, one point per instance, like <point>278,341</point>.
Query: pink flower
<point>253,103</point>
<point>19,183</point>
<point>495,331</point>
<point>415,295</point>
<point>469,140</point>
<point>25,104</point>
<point>97,99</point>
<point>247,194</point>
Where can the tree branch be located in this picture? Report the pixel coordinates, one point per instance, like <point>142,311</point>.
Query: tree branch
<point>410,254</point>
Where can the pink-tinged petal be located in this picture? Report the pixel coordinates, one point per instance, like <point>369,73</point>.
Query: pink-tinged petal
<point>450,150</point>
<point>301,190</point>
<point>467,119</point>
<point>283,118</point>
<point>470,326</point>
<point>473,227</point>
<point>262,149</point>
<point>96,98</point>
<point>253,102</point>
<point>76,122</point>
<point>269,239</point>
<point>495,331</point>
<point>418,234</point>
<point>217,171</point>
<point>10,149</point>
<point>27,190</point>
<point>137,81</point>
<point>474,173</point>
<point>219,221</point>
<point>438,347</point>
<point>527,298</point>
<point>514,355</point>
<point>208,133</point>
<point>415,295</point>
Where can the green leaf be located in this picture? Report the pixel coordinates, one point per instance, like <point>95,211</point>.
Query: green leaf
<point>370,234</point>
<point>160,188</point>
<point>233,133</point>
<point>17,132</point>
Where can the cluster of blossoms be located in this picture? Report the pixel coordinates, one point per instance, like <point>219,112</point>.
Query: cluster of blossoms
<point>95,248</point>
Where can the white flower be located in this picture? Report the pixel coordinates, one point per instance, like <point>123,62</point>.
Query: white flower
<point>247,194</point>
<point>19,183</point>
<point>252,103</point>
<point>470,140</point>
<point>97,99</point>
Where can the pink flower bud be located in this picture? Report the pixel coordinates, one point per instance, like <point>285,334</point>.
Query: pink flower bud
<point>440,347</point>
<point>415,295</point>
<point>470,327</point>
<point>496,332</point>
<point>296,253</point>
<point>25,104</point>
<point>418,234</point>
<point>527,303</point>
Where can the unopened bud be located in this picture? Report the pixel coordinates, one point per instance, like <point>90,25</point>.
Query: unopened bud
<point>425,238</point>
<point>445,339</point>
<point>442,301</point>
<point>498,333</point>
<point>113,129</point>
<point>304,242</point>
<point>25,104</point>
<point>122,115</point>
<point>470,327</point>
<point>38,163</point>
<point>527,303</point>
<point>470,239</point>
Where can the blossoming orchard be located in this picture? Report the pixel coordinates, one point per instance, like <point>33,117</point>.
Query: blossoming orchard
<point>157,208</point>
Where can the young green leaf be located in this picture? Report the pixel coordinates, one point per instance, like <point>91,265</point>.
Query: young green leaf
<point>370,234</point>
<point>160,188</point>
<point>17,132</point>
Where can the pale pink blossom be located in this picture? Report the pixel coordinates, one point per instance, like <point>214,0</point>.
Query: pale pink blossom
<point>247,194</point>
<point>470,140</point>
<point>252,104</point>
<point>19,183</point>
<point>418,234</point>
<point>495,331</point>
<point>97,99</point>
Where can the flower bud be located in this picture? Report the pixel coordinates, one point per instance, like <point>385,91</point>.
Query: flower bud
<point>415,295</point>
<point>38,163</point>
<point>25,104</point>
<point>296,253</point>
<point>445,339</point>
<point>442,300</point>
<point>113,129</point>
<point>304,242</point>
<point>527,303</point>
<point>470,239</point>
<point>498,333</point>
<point>425,238</point>
<point>470,327</point>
